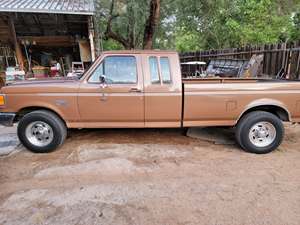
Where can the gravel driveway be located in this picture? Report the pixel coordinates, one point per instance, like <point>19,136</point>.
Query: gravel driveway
<point>149,177</point>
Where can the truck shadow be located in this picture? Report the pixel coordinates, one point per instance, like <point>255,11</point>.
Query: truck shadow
<point>208,135</point>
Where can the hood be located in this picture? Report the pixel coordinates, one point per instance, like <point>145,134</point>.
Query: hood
<point>42,86</point>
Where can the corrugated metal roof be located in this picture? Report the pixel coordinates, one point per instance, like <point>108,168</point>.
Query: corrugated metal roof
<point>82,7</point>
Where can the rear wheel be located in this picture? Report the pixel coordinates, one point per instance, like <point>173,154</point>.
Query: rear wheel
<point>41,131</point>
<point>259,132</point>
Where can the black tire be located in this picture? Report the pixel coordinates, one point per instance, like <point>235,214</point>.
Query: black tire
<point>248,121</point>
<point>58,127</point>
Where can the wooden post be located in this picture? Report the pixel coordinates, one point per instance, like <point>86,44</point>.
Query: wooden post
<point>97,35</point>
<point>289,62</point>
<point>298,65</point>
<point>16,43</point>
<point>91,37</point>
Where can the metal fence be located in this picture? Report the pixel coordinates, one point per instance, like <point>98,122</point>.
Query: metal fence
<point>277,57</point>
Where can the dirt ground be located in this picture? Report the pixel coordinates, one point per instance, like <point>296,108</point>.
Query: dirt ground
<point>149,177</point>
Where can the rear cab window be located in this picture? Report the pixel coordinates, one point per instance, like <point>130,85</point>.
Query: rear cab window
<point>154,71</point>
<point>160,71</point>
<point>165,70</point>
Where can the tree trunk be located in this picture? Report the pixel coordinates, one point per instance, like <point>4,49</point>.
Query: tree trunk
<point>151,24</point>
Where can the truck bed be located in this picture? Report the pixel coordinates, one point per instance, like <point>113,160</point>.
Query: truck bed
<point>220,101</point>
<point>233,80</point>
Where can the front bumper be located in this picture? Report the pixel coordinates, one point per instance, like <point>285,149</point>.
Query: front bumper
<point>7,119</point>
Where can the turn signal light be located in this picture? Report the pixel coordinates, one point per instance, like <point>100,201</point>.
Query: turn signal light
<point>2,102</point>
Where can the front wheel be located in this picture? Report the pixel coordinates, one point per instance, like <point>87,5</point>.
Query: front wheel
<point>259,132</point>
<point>41,131</point>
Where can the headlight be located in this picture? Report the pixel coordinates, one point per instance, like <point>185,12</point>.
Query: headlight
<point>2,100</point>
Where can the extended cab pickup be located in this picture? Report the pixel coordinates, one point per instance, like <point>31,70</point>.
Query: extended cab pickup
<point>143,89</point>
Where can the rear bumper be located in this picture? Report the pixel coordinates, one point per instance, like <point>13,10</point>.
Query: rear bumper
<point>7,119</point>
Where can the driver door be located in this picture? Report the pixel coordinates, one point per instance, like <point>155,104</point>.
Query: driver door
<point>120,101</point>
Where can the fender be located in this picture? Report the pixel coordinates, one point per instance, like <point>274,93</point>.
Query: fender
<point>45,106</point>
<point>265,102</point>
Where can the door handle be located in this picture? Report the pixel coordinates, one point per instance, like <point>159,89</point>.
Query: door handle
<point>135,90</point>
<point>103,97</point>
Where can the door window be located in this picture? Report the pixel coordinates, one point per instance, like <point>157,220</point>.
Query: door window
<point>117,70</point>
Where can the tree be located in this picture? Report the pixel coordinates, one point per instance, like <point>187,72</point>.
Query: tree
<point>127,42</point>
<point>234,23</point>
<point>151,24</point>
<point>127,23</point>
<point>192,25</point>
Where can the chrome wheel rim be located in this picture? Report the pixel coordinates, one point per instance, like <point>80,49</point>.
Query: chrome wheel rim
<point>39,133</point>
<point>262,134</point>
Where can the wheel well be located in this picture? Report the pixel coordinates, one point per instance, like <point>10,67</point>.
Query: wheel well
<point>278,111</point>
<point>27,110</point>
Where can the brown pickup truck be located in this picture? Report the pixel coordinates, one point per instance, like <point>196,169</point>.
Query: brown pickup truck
<point>145,89</point>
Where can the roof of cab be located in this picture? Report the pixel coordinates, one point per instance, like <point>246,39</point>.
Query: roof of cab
<point>140,52</point>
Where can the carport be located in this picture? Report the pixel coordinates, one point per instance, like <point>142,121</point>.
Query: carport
<point>36,33</point>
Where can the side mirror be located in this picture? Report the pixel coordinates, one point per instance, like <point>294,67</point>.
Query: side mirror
<point>102,79</point>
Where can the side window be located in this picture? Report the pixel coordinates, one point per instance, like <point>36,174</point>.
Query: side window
<point>154,72</point>
<point>117,70</point>
<point>165,70</point>
<point>95,78</point>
